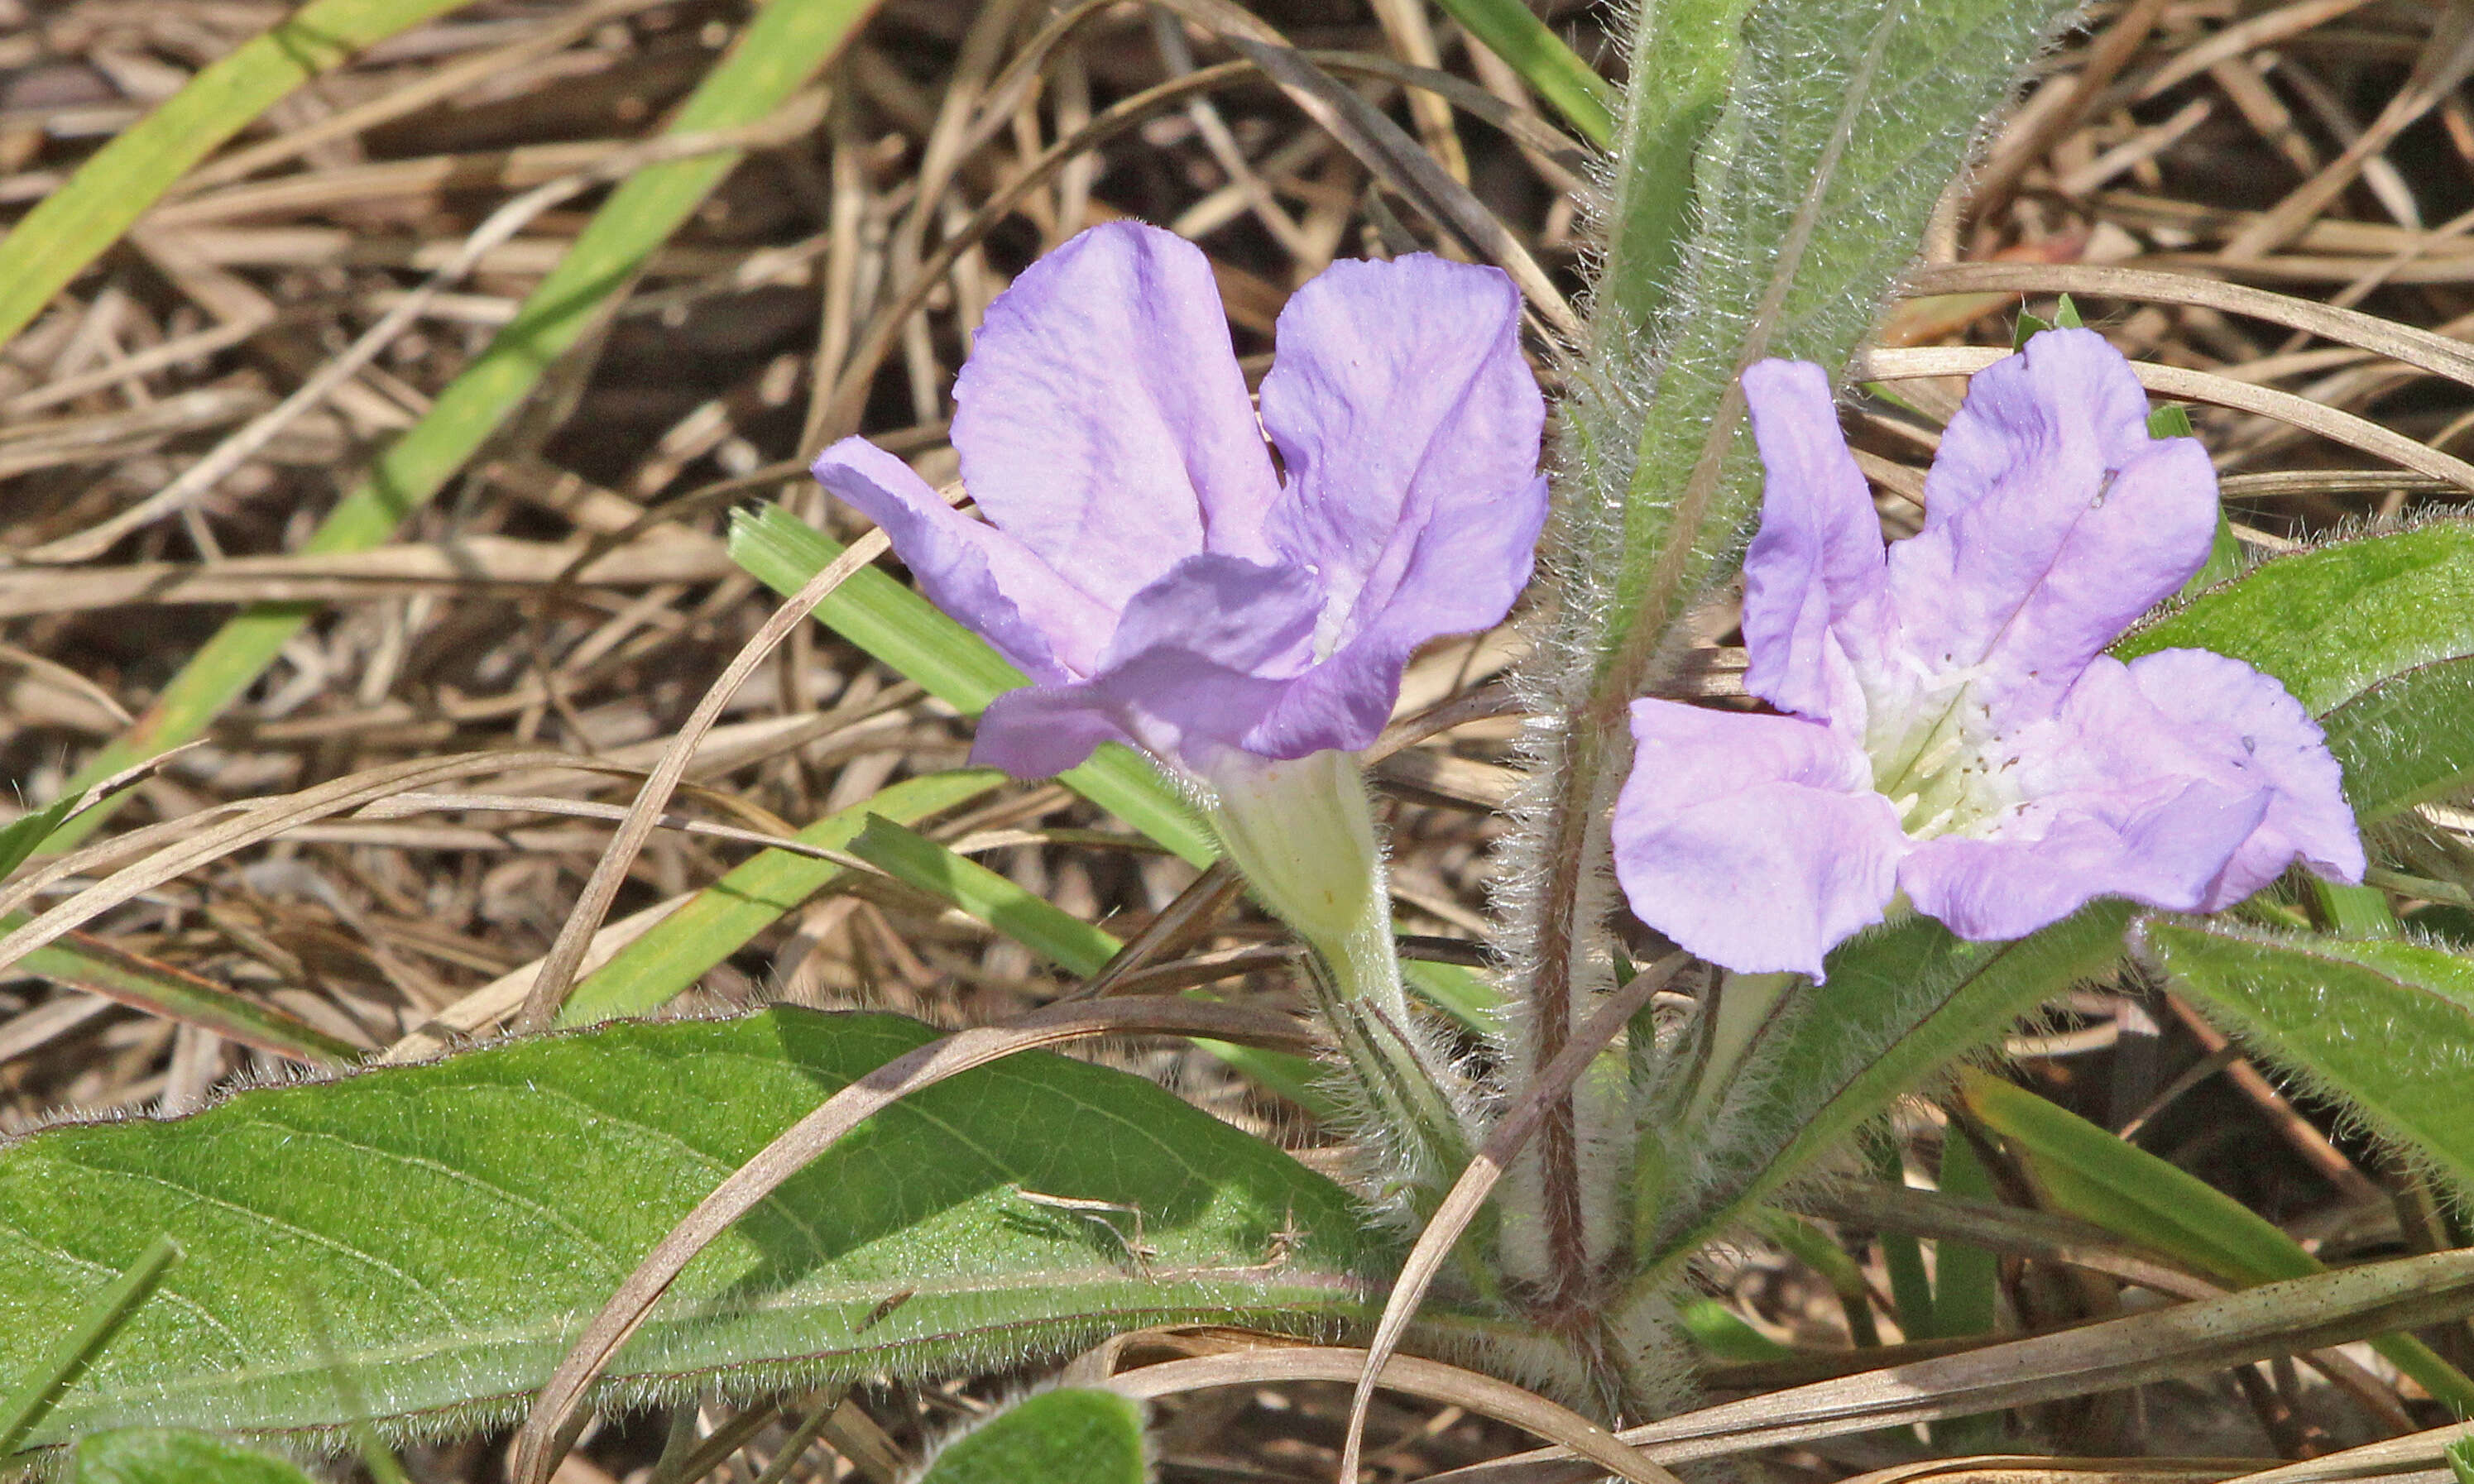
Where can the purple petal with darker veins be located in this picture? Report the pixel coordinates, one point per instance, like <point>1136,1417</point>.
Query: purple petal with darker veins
<point>1756,841</point>
<point>2160,844</point>
<point>983,578</point>
<point>1201,656</point>
<point>2255,731</point>
<point>1399,397</point>
<point>1102,419</point>
<point>1170,701</point>
<point>1813,576</point>
<point>1467,566</point>
<point>2059,522</point>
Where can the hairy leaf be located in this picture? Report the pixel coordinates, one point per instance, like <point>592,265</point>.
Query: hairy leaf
<point>2385,1028</point>
<point>1901,1003</point>
<point>2406,740</point>
<point>2335,620</point>
<point>176,1455</point>
<point>1071,1435</point>
<point>429,1237</point>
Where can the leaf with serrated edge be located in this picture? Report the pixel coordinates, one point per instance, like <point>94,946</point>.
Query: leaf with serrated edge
<point>453,1223</point>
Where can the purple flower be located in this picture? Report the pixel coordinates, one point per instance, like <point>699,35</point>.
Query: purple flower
<point>1147,565</point>
<point>1954,730</point>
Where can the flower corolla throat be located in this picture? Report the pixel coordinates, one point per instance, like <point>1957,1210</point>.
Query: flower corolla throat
<point>1949,726</point>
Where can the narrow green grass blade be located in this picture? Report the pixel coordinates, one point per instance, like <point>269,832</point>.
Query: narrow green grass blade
<point>907,632</point>
<point>83,962</point>
<point>20,837</point>
<point>74,225</point>
<point>785,45</point>
<point>33,1401</point>
<point>1042,926</point>
<point>2086,1172</point>
<point>683,947</point>
<point>1553,71</point>
<point>1071,1435</point>
<point>1057,934</point>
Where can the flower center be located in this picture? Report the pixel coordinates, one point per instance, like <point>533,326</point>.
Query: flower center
<point>1936,756</point>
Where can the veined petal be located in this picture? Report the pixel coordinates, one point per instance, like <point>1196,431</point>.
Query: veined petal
<point>1201,658</point>
<point>1253,617</point>
<point>1101,419</point>
<point>991,582</point>
<point>2053,520</point>
<point>1467,566</point>
<point>2253,731</point>
<point>2123,798</point>
<point>1399,398</point>
<point>1172,703</point>
<point>1756,841</point>
<point>2064,409</point>
<point>1813,576</point>
<point>2159,844</point>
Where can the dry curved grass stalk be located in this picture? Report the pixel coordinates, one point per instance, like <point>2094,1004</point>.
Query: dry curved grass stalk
<point>558,969</point>
<point>1468,1193</point>
<point>1430,1379</point>
<point>557,1414</point>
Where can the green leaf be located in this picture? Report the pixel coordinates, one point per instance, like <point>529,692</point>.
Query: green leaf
<point>71,227</point>
<point>907,632</point>
<point>2066,315</point>
<point>2383,1027</point>
<point>1071,1435</point>
<point>2461,1460</point>
<point>433,1234</point>
<point>21,836</point>
<point>175,1455</point>
<point>1725,1336</point>
<point>681,948</point>
<point>2084,1171</point>
<point>82,961</point>
<point>2172,420</point>
<point>106,1315</point>
<point>1060,937</point>
<point>1903,1003</point>
<point>784,44</point>
<point>1512,32</point>
<point>2407,740</point>
<point>2332,621</point>
<point>2028,329</point>
<point>1032,920</point>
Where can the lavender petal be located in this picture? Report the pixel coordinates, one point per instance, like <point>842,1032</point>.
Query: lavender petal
<point>1101,419</point>
<point>1813,576</point>
<point>1756,841</point>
